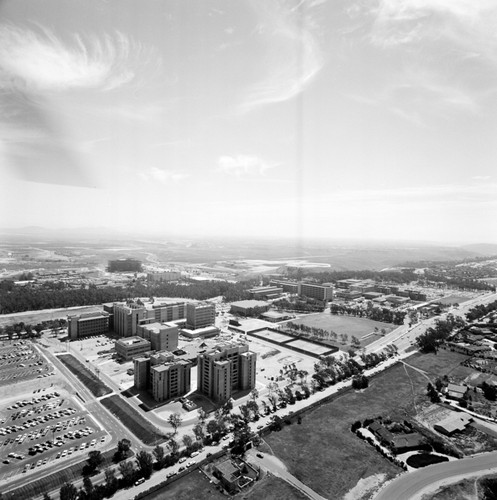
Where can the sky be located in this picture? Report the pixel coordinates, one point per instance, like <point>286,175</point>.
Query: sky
<point>370,119</point>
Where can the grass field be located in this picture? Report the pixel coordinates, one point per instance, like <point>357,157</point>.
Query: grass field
<point>445,362</point>
<point>133,420</point>
<point>337,459</point>
<point>195,486</point>
<point>96,386</point>
<point>344,324</point>
<point>192,486</point>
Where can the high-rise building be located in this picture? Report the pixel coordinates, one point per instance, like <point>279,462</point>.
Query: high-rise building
<point>227,368</point>
<point>127,316</point>
<point>84,325</point>
<point>315,291</point>
<point>163,375</point>
<point>200,315</point>
<point>162,336</point>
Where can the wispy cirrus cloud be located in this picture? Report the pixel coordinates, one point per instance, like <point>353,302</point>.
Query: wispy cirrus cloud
<point>446,52</point>
<point>243,165</point>
<point>294,56</point>
<point>163,176</point>
<point>38,60</point>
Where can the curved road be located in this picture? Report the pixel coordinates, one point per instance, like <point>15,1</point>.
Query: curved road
<point>413,485</point>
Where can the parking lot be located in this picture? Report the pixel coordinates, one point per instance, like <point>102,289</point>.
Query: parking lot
<point>44,428</point>
<point>21,361</point>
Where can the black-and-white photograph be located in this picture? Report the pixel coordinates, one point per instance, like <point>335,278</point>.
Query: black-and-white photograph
<point>247,249</point>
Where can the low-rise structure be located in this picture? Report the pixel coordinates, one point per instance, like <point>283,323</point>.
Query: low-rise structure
<point>85,325</point>
<point>457,422</point>
<point>131,347</point>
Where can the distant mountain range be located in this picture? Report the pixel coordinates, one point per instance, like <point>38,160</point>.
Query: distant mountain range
<point>340,255</point>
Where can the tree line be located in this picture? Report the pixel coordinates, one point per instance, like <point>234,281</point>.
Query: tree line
<point>374,313</point>
<point>15,298</point>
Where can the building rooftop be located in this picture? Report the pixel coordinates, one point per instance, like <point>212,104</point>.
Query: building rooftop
<point>248,304</point>
<point>132,341</point>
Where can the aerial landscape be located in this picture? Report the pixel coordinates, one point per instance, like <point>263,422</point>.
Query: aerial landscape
<point>247,250</point>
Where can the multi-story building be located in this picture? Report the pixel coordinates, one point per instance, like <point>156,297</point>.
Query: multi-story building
<point>162,336</point>
<point>163,375</point>
<point>314,291</point>
<point>84,325</point>
<point>131,347</point>
<point>164,276</point>
<point>227,368</point>
<point>265,292</point>
<point>286,286</point>
<point>127,316</point>
<point>200,315</point>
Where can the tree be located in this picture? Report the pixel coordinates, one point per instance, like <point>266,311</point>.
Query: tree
<point>145,463</point>
<point>94,460</point>
<point>159,455</point>
<point>198,430</point>
<point>254,394</point>
<point>88,486</point>
<point>46,496</point>
<point>173,445</point>
<point>123,447</point>
<point>68,492</point>
<point>212,427</point>
<point>111,482</point>
<point>175,421</point>
<point>202,415</point>
<point>127,471</point>
<point>187,440</point>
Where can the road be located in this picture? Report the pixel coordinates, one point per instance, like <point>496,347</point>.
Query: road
<point>278,468</point>
<point>414,485</point>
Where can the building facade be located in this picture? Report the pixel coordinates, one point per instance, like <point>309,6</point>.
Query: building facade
<point>200,315</point>
<point>314,291</point>
<point>227,368</point>
<point>131,347</point>
<point>162,336</point>
<point>163,375</point>
<point>85,325</point>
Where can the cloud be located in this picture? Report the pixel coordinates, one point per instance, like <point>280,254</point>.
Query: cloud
<point>293,57</point>
<point>40,61</point>
<point>155,174</point>
<point>243,165</point>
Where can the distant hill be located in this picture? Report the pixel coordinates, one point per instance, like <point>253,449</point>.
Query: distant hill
<point>481,248</point>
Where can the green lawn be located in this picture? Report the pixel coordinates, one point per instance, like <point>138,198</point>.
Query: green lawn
<point>133,420</point>
<point>445,362</point>
<point>325,455</point>
<point>344,324</point>
<point>195,486</point>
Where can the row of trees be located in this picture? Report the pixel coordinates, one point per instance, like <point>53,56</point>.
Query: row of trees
<point>480,311</point>
<point>299,305</point>
<point>434,336</point>
<point>33,331</point>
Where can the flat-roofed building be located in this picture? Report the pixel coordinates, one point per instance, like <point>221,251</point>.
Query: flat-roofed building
<point>126,318</point>
<point>170,379</point>
<point>87,324</point>
<point>286,286</point>
<point>164,276</point>
<point>163,375</point>
<point>246,307</point>
<point>200,315</point>
<point>162,336</point>
<point>314,291</point>
<point>227,368</point>
<point>207,332</point>
<point>265,292</point>
<point>130,347</point>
